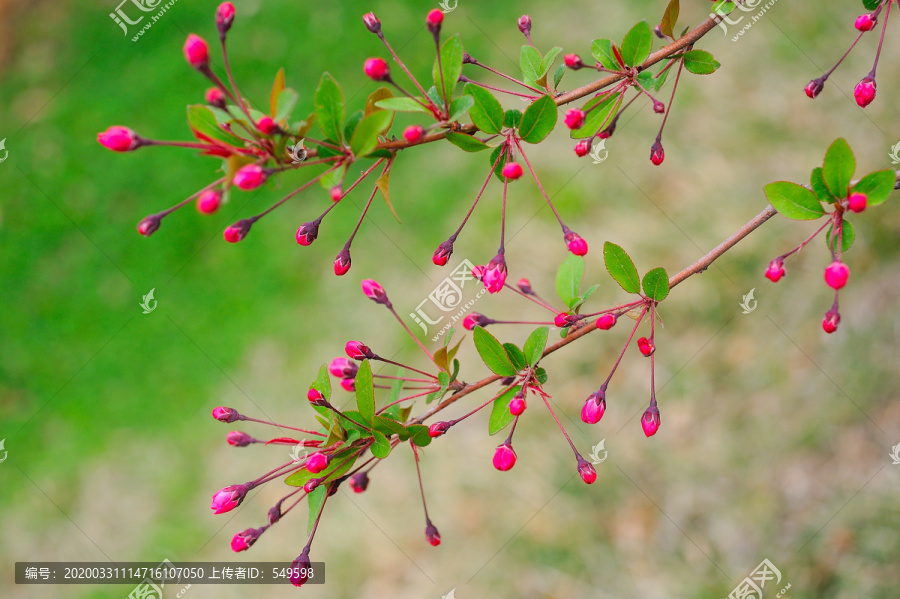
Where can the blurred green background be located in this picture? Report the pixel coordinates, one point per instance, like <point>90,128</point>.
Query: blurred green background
<point>775,437</point>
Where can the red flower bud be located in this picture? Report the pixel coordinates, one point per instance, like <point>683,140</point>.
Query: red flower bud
<point>119,139</point>
<point>576,244</point>
<point>857,202</point>
<point>413,133</point>
<point>831,321</point>
<point>865,22</point>
<point>239,439</point>
<point>646,346</point>
<point>228,498</point>
<point>209,201</point>
<point>342,262</point>
<point>775,270</point>
<point>377,69</point>
<point>307,233</point>
<point>434,19</point>
<point>524,286</point>
<point>814,87</point>
<point>517,405</point>
<point>336,193</point>
<point>215,97</point>
<point>243,540</point>
<point>343,368</point>
<point>372,23</point>
<point>438,428</point>
<point>864,92</point>
<point>475,320</point>
<point>374,291</point>
<point>512,171</point>
<point>573,61</point>
<point>315,397</point>
<point>583,148</point>
<point>650,420</point>
<point>223,414</point>
<point>359,482</point>
<point>594,408</point>
<point>657,153</point>
<point>836,274</point>
<point>504,457</point>
<point>574,119</point>
<point>586,471</point>
<point>432,534</point>
<point>237,231</point>
<point>525,24</point>
<point>300,569</point>
<point>196,52</point>
<point>606,321</point>
<point>658,107</point>
<point>494,275</point>
<point>149,225</point>
<point>266,125</point>
<point>316,462</point>
<point>224,17</point>
<point>357,350</point>
<point>443,253</point>
<point>249,177</point>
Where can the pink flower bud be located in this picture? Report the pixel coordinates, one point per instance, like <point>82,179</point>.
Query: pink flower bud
<point>857,202</point>
<point>658,107</point>
<point>512,171</point>
<point>372,23</point>
<point>524,286</point>
<point>243,540</point>
<point>525,24</point>
<point>432,534</point>
<point>336,192</point>
<point>224,17</point>
<point>437,429</point>
<point>149,225</point>
<point>586,471</point>
<point>311,485</point>
<point>495,274</point>
<point>357,350</point>
<point>223,414</point>
<point>249,177</point>
<point>606,321</point>
<point>307,233</point>
<point>413,133</point>
<point>342,262</point>
<point>239,439</point>
<point>266,125</point>
<point>573,61</point>
<point>583,148</point>
<point>865,22</point>
<point>377,69</point>
<point>237,231</point>
<point>574,119</point>
<point>442,253</point>
<point>646,346</point>
<point>475,320</point>
<point>576,244</point>
<point>359,482</point>
<point>374,292</point>
<point>119,139</point>
<point>209,201</point>
<point>434,19</point>
<point>316,462</point>
<point>215,97</point>
<point>228,498</point>
<point>196,52</point>
<point>831,321</point>
<point>864,92</point>
<point>348,385</point>
<point>836,274</point>
<point>504,457</point>
<point>315,397</point>
<point>650,419</point>
<point>814,87</point>
<point>594,408</point>
<point>657,153</point>
<point>300,568</point>
<point>478,272</point>
<point>775,270</point>
<point>517,405</point>
<point>343,368</point>
<point>562,320</point>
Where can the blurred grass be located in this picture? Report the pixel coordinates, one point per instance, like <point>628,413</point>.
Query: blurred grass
<point>774,440</point>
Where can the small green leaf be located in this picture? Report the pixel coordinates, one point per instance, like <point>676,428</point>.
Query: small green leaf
<point>419,435</point>
<point>794,201</point>
<point>512,118</point>
<point>202,120</point>
<point>568,278</point>
<point>541,375</point>
<point>621,268</point>
<point>466,142</point>
<point>661,78</point>
<point>351,122</point>
<point>597,118</point>
<point>700,62</point>
<point>839,167</point>
<point>492,353</point>
<point>530,59</point>
<point>329,106</point>
<point>400,105</point>
<point>391,427</point>
<point>872,4</point>
<point>877,186</point>
<point>538,120</point>
<point>381,448</point>
<point>498,165</point>
<point>316,500</point>
<point>670,17</point>
<point>817,182</point>
<point>637,43</point>
<point>547,62</point>
<point>459,107</point>
<point>487,113</point>
<point>365,391</point>
<point>500,414</point>
<point>450,67</point>
<point>558,75</point>
<point>656,284</point>
<point>515,356</point>
<point>579,301</point>
<point>444,380</point>
<point>535,344</point>
<point>602,51</point>
<point>365,137</point>
<point>382,93</point>
<point>287,101</point>
<point>848,236</point>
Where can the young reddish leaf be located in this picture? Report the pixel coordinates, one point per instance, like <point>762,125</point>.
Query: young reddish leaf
<point>277,87</point>
<point>670,17</point>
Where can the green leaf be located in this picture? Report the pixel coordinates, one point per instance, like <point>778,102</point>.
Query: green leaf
<point>492,353</point>
<point>444,380</point>
<point>466,142</point>
<point>558,75</point>
<point>645,80</point>
<point>670,17</point>
<point>322,384</point>
<point>530,59</point>
<point>400,105</point>
<point>877,186</point>
<point>568,278</point>
<point>391,427</point>
<point>316,500</point>
<point>577,302</point>
<point>382,93</point>
<point>486,113</point>
<point>459,107</point>
<point>872,4</point>
<point>848,236</point>
<point>621,268</point>
<point>287,101</point>
<point>547,62</point>
<point>500,415</point>
<point>637,43</point>
<point>498,165</point>
<point>839,167</point>
<point>538,120</point>
<point>515,356</point>
<point>656,284</point>
<point>512,118</point>
<point>597,118</point>
<point>661,77</point>
<point>365,391</point>
<point>601,50</point>
<point>351,122</point>
<point>700,62</point>
<point>450,67</point>
<point>202,120</point>
<point>381,448</point>
<point>329,106</point>
<point>535,344</point>
<point>277,86</point>
<point>336,177</point>
<point>817,182</point>
<point>794,201</point>
<point>419,435</point>
<point>541,375</point>
<point>336,468</point>
<point>365,138</point>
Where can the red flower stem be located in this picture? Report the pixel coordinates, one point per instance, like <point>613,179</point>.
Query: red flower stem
<point>184,202</point>
<point>811,237</point>
<point>300,189</point>
<point>481,191</point>
<point>881,41</point>
<point>505,76</point>
<point>627,343</point>
<point>387,361</point>
<point>496,89</point>
<point>538,181</point>
<point>293,428</point>
<point>402,399</point>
